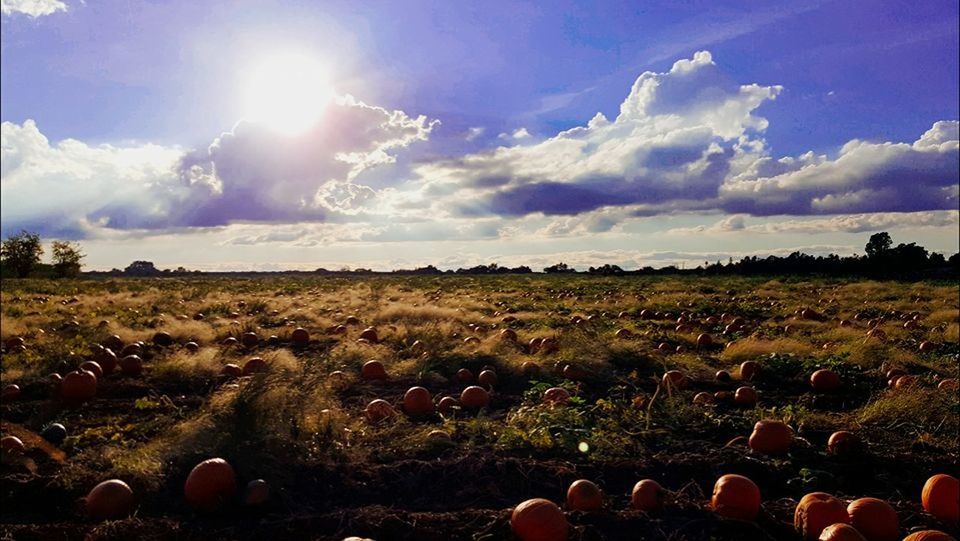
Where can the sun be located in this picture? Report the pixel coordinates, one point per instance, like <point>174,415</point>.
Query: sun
<point>287,92</point>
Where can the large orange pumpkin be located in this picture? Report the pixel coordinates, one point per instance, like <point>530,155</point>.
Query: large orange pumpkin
<point>941,498</point>
<point>735,496</point>
<point>584,495</point>
<point>647,495</point>
<point>875,519</point>
<point>771,437</point>
<point>110,499</point>
<point>373,370</point>
<point>474,397</point>
<point>417,402</point>
<point>539,520</point>
<point>378,410</point>
<point>840,532</point>
<point>929,535</point>
<point>815,512</point>
<point>210,485</point>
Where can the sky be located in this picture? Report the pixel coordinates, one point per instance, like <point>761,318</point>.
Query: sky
<point>234,135</point>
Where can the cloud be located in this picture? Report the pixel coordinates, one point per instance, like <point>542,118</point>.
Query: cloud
<point>251,173</point>
<point>32,8</point>
<point>690,139</point>
<point>520,133</point>
<point>854,223</point>
<point>474,132</point>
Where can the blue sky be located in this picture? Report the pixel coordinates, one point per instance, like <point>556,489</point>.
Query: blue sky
<point>460,133</point>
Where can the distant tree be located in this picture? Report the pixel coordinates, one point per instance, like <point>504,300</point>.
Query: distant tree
<point>21,252</point>
<point>67,259</point>
<point>141,268</point>
<point>878,245</point>
<point>558,268</point>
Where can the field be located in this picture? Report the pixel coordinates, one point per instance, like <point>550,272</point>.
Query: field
<point>334,472</point>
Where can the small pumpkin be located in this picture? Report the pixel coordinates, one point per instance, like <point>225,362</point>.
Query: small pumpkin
<point>474,397</point>
<point>875,519</point>
<point>210,485</point>
<point>675,379</point>
<point>417,402</point>
<point>254,365</point>
<point>647,495</point>
<point>771,437</point>
<point>703,399</point>
<point>825,381</point>
<point>131,365</point>
<point>111,499</point>
<point>539,519</point>
<point>815,512</point>
<point>446,404</point>
<point>300,336</point>
<point>941,498</point>
<point>704,341</point>
<point>735,496</point>
<point>162,339</point>
<point>231,371</point>
<point>373,370</point>
<point>487,378</point>
<point>745,396</point>
<point>12,445</point>
<point>378,410</point>
<point>749,370</point>
<point>722,376</point>
<point>249,339</point>
<point>840,532</point>
<point>844,444</point>
<point>584,495</point>
<point>79,385</point>
<point>464,375</point>
<point>257,493</point>
<point>556,395</point>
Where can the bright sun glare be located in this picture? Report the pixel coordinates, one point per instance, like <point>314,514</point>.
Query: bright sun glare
<point>286,92</point>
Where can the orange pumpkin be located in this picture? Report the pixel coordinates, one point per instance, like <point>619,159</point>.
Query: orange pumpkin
<point>539,520</point>
<point>79,385</point>
<point>748,370</point>
<point>703,399</point>
<point>254,365</point>
<point>256,493</point>
<point>464,375</point>
<point>771,437</point>
<point>12,445</point>
<point>556,395</point>
<point>446,404</point>
<point>647,495</point>
<point>929,535</point>
<point>373,370</point>
<point>107,360</point>
<point>825,381</point>
<point>249,339</point>
<point>674,379</point>
<point>815,512</point>
<point>509,335</point>
<point>112,499</point>
<point>941,498</point>
<point>300,336</point>
<point>875,519</point>
<point>704,341</point>
<point>530,369</point>
<point>474,397</point>
<point>844,444</point>
<point>92,366</point>
<point>370,334</point>
<point>131,365</point>
<point>378,410</point>
<point>745,396</point>
<point>722,376</point>
<point>487,378</point>
<point>417,402</point>
<point>584,495</point>
<point>840,532</point>
<point>735,496</point>
<point>210,485</point>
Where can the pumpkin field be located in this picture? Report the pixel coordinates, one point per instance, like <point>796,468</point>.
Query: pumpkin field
<point>445,408</point>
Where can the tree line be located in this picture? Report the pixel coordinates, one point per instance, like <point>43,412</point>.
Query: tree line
<point>20,255</point>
